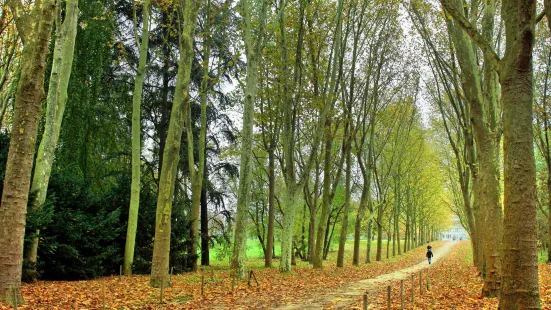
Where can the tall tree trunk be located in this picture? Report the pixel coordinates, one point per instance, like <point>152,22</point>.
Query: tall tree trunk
<point>163,124</point>
<point>205,251</point>
<point>369,237</point>
<point>347,189</point>
<point>326,205</point>
<point>520,287</point>
<point>245,174</point>
<point>313,212</point>
<point>56,101</point>
<point>171,155</point>
<point>271,208</point>
<point>197,175</point>
<point>388,237</point>
<point>487,143</point>
<point>136,143</point>
<point>379,233</point>
<point>358,225</point>
<point>34,28</point>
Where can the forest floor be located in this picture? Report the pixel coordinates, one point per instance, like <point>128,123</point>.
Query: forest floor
<point>454,284</point>
<point>349,294</point>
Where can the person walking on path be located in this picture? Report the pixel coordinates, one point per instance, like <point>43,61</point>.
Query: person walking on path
<point>429,253</point>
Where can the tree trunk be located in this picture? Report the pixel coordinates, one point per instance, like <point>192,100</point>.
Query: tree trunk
<point>520,287</point>
<point>56,101</point>
<point>388,237</point>
<point>369,237</point>
<point>34,29</point>
<point>271,208</point>
<point>205,251</point>
<point>288,228</point>
<point>136,144</point>
<point>379,256</point>
<point>326,206</point>
<point>344,224</point>
<point>163,124</point>
<point>358,225</point>
<point>245,169</point>
<point>487,144</point>
<point>171,155</point>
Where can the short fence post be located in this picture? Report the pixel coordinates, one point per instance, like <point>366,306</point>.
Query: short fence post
<point>421,282</point>
<point>402,294</point>
<point>428,282</point>
<point>120,272</point>
<point>202,284</point>
<point>388,288</point>
<point>365,302</point>
<point>412,289</point>
<point>170,278</point>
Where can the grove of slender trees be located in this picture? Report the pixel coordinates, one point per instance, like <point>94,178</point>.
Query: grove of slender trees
<point>146,134</point>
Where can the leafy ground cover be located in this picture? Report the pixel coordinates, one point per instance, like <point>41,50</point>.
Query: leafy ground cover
<point>273,289</point>
<point>454,284</point>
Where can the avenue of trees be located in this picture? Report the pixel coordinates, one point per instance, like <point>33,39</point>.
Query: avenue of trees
<point>146,133</point>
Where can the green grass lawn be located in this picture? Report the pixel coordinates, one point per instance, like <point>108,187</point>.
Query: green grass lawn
<point>255,255</point>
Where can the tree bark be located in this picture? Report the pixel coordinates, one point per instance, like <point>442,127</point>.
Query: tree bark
<point>271,208</point>
<point>348,178</point>
<point>487,144</point>
<point>55,107</point>
<point>171,155</point>
<point>34,28</point>
<point>326,204</point>
<point>136,143</point>
<point>245,170</point>
<point>520,287</point>
<point>205,251</point>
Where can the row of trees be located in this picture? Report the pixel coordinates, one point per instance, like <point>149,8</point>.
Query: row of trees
<point>482,84</point>
<point>332,139</point>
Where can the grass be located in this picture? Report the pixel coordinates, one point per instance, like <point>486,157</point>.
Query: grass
<point>542,256</point>
<point>255,255</point>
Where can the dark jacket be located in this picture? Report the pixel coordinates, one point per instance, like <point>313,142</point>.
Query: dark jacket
<point>429,254</point>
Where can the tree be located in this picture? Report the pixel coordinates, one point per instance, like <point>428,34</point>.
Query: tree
<point>55,107</point>
<point>136,141</point>
<point>34,25</point>
<point>161,249</point>
<point>253,53</point>
<point>519,285</point>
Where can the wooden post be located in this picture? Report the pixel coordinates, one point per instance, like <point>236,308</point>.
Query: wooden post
<point>388,288</point>
<point>202,284</point>
<point>402,294</point>
<point>120,273</point>
<point>365,302</point>
<point>161,296</point>
<point>412,288</point>
<point>427,277</point>
<point>421,282</point>
<point>249,279</point>
<point>171,271</point>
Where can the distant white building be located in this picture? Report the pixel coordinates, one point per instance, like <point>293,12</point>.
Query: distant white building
<point>456,232</point>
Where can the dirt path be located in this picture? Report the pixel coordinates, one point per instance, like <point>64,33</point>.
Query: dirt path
<point>352,292</point>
